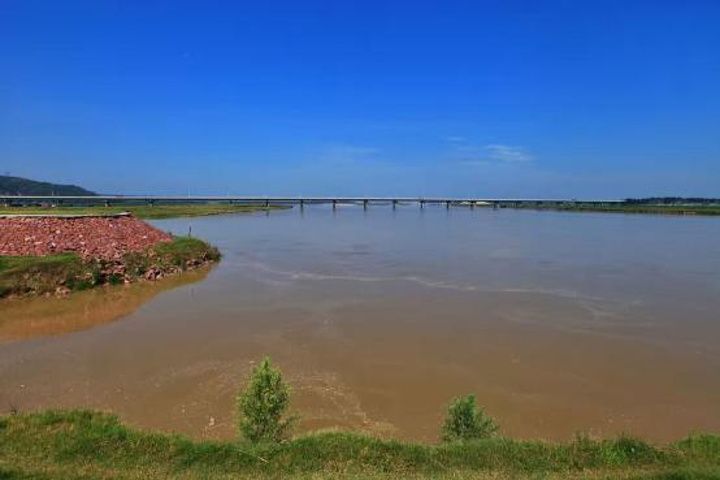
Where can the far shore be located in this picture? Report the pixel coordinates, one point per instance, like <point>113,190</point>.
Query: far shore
<point>165,211</point>
<point>629,208</point>
<point>140,211</point>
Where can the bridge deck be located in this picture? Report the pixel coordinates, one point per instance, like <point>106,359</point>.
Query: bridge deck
<point>291,199</point>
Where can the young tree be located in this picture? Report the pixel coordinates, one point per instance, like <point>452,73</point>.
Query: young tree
<point>465,420</point>
<point>262,405</point>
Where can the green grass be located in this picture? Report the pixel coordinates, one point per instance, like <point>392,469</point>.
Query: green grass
<point>90,445</point>
<point>142,211</point>
<point>37,275</point>
<point>182,252</point>
<point>629,208</point>
<point>186,248</point>
<point>22,275</point>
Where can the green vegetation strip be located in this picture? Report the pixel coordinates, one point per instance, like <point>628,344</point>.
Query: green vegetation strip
<point>630,208</point>
<point>143,211</point>
<point>91,445</point>
<point>40,275</point>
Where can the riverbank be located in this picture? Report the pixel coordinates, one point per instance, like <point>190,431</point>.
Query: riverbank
<point>707,210</point>
<point>66,272</point>
<point>144,211</point>
<point>57,255</point>
<point>91,445</point>
<point>41,255</point>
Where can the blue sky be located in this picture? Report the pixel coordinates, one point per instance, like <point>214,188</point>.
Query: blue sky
<point>484,98</point>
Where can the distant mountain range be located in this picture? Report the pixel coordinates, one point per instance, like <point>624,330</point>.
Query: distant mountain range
<point>24,186</point>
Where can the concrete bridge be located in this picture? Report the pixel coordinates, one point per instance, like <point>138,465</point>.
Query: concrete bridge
<point>267,201</point>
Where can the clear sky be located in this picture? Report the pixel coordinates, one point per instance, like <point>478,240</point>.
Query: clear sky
<point>484,98</point>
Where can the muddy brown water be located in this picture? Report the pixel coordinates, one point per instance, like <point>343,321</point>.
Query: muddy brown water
<point>559,322</point>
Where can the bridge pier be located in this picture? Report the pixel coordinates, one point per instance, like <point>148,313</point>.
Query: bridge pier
<point>365,204</point>
<point>422,204</point>
<point>334,204</point>
<point>394,204</point>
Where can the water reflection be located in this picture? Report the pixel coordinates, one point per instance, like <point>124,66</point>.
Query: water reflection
<point>36,317</point>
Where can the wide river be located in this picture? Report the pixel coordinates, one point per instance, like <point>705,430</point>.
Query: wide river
<point>558,322</point>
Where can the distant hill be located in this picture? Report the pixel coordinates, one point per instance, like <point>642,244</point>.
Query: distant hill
<point>24,186</point>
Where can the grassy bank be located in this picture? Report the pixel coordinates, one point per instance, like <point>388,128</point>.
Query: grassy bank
<point>143,211</point>
<point>630,208</point>
<point>22,275</point>
<point>31,275</point>
<point>87,445</point>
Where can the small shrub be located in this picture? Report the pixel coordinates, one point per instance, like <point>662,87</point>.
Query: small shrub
<point>625,449</point>
<point>262,405</point>
<point>705,447</point>
<point>466,420</point>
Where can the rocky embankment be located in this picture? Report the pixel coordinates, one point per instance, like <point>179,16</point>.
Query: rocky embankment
<point>106,237</point>
<point>106,250</point>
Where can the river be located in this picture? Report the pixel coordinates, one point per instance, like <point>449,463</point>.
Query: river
<point>558,322</point>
